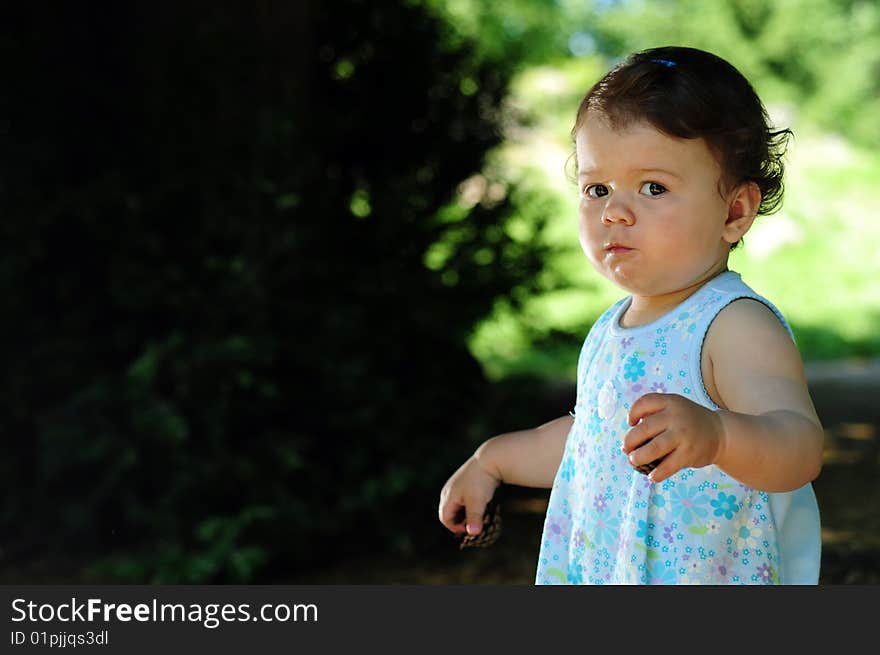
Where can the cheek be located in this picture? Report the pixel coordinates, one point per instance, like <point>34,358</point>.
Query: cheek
<point>586,227</point>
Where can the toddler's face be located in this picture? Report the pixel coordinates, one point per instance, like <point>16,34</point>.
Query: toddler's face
<point>651,216</point>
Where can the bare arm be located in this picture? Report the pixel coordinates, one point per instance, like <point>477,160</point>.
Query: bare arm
<point>772,435</point>
<point>528,458</point>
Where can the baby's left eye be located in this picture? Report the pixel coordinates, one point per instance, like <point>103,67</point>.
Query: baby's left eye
<point>652,189</point>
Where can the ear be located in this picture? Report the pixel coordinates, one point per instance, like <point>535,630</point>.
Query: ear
<point>741,211</point>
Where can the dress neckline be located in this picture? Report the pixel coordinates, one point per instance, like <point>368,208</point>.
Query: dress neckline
<point>618,330</point>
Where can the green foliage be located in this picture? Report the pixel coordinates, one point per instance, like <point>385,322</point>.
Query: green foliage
<point>248,256</point>
<point>819,55</point>
<point>814,63</point>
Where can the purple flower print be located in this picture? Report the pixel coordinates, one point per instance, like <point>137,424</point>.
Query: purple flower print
<point>637,388</point>
<point>600,503</point>
<point>658,387</point>
<point>723,569</point>
<point>765,574</point>
<point>667,534</point>
<point>625,342</point>
<point>555,529</point>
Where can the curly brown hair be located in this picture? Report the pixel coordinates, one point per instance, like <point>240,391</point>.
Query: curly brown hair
<point>689,93</point>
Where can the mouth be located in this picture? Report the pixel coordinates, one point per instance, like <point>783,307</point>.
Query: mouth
<point>616,248</point>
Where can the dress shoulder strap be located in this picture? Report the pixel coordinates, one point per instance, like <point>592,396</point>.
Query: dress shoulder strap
<point>718,294</point>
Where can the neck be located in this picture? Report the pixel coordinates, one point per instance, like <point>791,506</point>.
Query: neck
<point>646,309</point>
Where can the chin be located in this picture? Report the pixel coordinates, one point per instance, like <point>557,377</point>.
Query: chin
<point>626,282</point>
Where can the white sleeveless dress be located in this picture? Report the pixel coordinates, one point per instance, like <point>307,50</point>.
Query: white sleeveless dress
<point>607,524</point>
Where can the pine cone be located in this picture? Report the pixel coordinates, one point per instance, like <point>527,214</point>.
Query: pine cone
<point>491,527</point>
<point>647,468</point>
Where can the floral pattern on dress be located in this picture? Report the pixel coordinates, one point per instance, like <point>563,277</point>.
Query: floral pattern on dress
<point>607,523</point>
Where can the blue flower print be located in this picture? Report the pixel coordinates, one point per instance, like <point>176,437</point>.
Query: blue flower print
<point>575,574</point>
<point>634,369</point>
<point>661,574</point>
<point>686,503</point>
<point>606,530</point>
<point>595,424</point>
<point>643,532</point>
<point>725,505</point>
<point>566,472</point>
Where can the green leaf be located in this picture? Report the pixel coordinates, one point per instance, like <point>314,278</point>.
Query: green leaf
<point>557,573</point>
<point>698,529</point>
<point>588,543</point>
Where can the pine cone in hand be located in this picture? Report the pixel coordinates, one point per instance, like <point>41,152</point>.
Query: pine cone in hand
<point>647,468</point>
<point>491,527</point>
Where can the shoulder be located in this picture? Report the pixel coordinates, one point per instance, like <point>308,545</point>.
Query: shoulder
<point>749,347</point>
<point>747,318</point>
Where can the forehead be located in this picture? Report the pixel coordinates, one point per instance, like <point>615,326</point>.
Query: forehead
<point>639,145</point>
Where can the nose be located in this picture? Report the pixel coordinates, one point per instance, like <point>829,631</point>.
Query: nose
<point>617,211</point>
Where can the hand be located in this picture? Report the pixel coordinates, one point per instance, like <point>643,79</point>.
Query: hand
<point>470,488</point>
<point>672,428</point>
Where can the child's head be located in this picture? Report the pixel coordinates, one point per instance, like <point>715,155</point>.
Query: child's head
<point>690,93</point>
<point>683,109</point>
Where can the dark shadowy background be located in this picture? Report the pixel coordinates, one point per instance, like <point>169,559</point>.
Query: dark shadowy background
<point>226,357</point>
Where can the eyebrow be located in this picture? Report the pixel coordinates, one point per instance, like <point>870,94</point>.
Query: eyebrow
<point>589,171</point>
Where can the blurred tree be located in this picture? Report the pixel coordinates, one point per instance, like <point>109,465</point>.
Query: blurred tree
<point>241,279</point>
<point>821,56</point>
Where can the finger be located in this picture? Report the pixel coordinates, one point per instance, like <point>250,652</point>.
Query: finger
<point>474,518</point>
<point>655,449</point>
<point>452,516</point>
<point>650,403</point>
<point>646,429</point>
<point>671,464</point>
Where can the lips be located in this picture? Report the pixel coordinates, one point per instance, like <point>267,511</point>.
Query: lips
<point>616,248</point>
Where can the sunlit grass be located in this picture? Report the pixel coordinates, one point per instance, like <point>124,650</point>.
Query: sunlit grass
<point>816,259</point>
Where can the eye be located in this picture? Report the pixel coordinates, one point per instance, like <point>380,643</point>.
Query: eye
<point>652,189</point>
<point>596,191</point>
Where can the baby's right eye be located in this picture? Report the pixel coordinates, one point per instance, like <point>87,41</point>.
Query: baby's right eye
<point>596,191</point>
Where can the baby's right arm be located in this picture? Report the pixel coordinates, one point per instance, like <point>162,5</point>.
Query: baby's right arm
<point>528,458</point>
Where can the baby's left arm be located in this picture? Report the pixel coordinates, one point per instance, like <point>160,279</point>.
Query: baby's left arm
<point>766,435</point>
